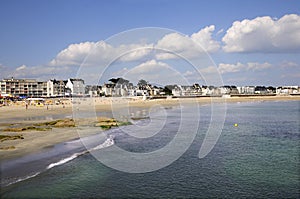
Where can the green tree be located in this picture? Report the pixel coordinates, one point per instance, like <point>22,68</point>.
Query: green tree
<point>168,89</point>
<point>142,84</point>
<point>119,80</point>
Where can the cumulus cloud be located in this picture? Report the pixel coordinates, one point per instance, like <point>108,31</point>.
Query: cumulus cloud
<point>200,76</point>
<point>250,66</point>
<point>175,43</point>
<point>40,72</point>
<point>74,54</point>
<point>209,76</point>
<point>99,52</point>
<point>205,40</point>
<point>230,68</point>
<point>149,66</point>
<point>187,46</point>
<point>133,52</point>
<point>210,70</point>
<point>44,72</point>
<point>264,34</point>
<point>153,71</point>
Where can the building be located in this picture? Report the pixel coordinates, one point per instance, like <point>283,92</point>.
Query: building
<point>249,90</point>
<point>225,90</point>
<point>76,87</point>
<point>120,90</point>
<point>108,89</point>
<point>56,88</point>
<point>23,87</point>
<point>42,89</point>
<point>286,90</point>
<point>260,90</point>
<point>93,90</point>
<point>153,90</point>
<point>2,87</point>
<point>33,88</point>
<point>179,90</point>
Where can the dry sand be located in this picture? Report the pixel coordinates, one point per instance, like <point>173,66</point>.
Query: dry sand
<point>35,141</point>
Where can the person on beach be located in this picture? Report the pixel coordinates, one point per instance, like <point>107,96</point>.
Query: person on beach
<point>26,105</point>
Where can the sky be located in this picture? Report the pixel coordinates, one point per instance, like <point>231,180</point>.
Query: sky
<point>231,42</point>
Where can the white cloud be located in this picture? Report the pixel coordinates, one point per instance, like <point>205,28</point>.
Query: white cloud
<point>175,43</point>
<point>149,66</point>
<point>289,64</point>
<point>152,71</point>
<point>258,66</point>
<point>21,67</point>
<point>231,68</point>
<point>99,52</point>
<point>120,73</point>
<point>40,72</point>
<point>250,66</point>
<point>96,53</point>
<point>238,80</point>
<point>133,52</point>
<point>204,74</point>
<point>264,34</point>
<point>208,76</point>
<point>205,40</point>
<point>192,76</point>
<point>187,46</point>
<point>74,54</point>
<point>44,72</point>
<point>188,73</point>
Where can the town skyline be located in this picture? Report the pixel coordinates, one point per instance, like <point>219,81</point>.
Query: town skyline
<point>108,81</point>
<point>253,43</point>
<point>120,87</point>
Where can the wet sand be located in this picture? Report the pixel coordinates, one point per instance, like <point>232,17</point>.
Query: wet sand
<point>35,141</point>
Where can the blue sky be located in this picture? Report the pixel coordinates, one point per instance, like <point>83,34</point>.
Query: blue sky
<point>35,32</point>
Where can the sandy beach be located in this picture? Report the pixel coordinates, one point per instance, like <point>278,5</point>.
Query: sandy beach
<point>35,140</point>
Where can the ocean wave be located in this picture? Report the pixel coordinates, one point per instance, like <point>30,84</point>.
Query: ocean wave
<point>107,143</point>
<point>65,160</point>
<point>24,178</point>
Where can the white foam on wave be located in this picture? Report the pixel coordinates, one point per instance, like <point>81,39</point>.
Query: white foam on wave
<point>107,143</point>
<point>65,160</point>
<point>25,178</point>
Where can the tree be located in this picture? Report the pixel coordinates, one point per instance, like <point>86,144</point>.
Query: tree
<point>119,80</point>
<point>168,89</point>
<point>142,84</point>
<point>271,89</point>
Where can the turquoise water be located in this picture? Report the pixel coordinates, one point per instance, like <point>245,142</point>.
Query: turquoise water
<point>259,158</point>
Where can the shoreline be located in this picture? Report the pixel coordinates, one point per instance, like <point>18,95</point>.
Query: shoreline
<point>36,141</point>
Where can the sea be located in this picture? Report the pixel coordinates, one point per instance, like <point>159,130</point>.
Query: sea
<point>256,155</point>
